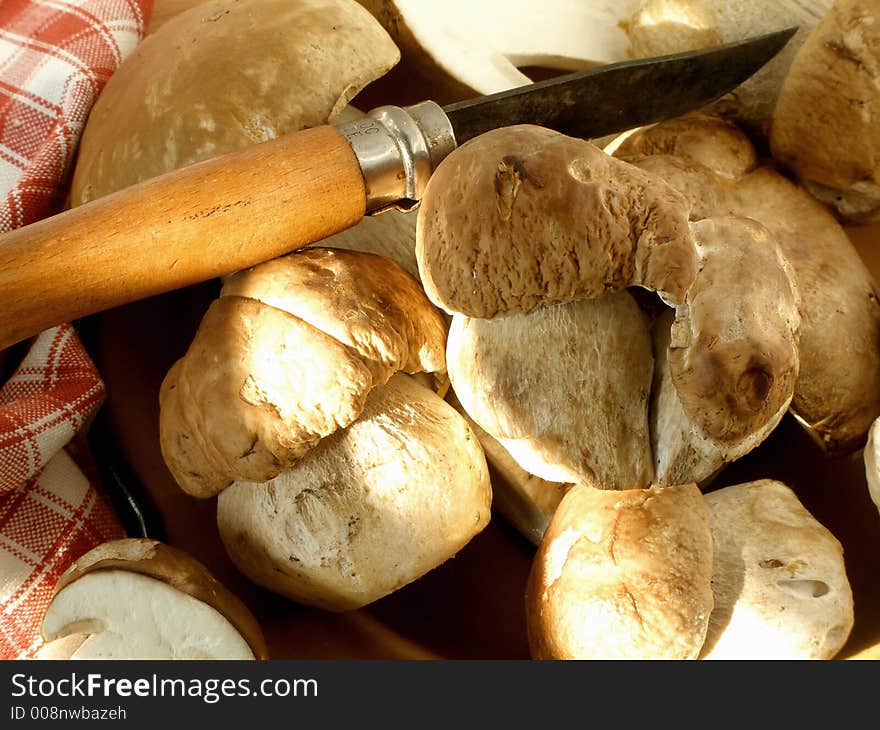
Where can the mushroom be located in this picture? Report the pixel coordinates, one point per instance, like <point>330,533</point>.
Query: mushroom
<point>872,462</point>
<point>661,27</point>
<point>825,126</point>
<point>523,216</point>
<point>466,48</point>
<point>142,599</point>
<point>622,575</point>
<point>369,509</point>
<point>779,579</point>
<point>728,363</point>
<point>171,104</point>
<point>286,356</point>
<point>563,382</point>
<point>540,383</point>
<point>709,161</point>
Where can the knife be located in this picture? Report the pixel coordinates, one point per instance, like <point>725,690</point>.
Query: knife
<point>245,207</point>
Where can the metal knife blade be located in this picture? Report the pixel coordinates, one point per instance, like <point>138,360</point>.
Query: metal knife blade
<point>619,96</point>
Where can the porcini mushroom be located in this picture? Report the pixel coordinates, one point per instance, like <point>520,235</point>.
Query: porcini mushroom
<point>369,509</point>
<point>171,104</point>
<point>779,579</point>
<point>141,599</point>
<point>286,356</point>
<point>558,369</point>
<point>825,126</point>
<point>622,575</point>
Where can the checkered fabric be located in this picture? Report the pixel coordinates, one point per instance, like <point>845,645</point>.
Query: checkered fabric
<point>55,57</point>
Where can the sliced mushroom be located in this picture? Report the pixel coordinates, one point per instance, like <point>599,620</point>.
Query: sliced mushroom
<point>171,104</point>
<point>286,356</point>
<point>622,575</point>
<point>141,599</point>
<point>779,578</point>
<point>465,47</point>
<point>369,509</point>
<point>825,124</point>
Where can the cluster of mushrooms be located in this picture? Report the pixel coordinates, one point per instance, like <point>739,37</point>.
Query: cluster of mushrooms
<point>581,338</point>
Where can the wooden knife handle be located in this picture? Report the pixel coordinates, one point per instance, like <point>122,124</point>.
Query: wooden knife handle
<point>188,226</point>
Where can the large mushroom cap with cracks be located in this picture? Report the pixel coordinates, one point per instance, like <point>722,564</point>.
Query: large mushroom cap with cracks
<point>622,575</point>
<point>286,356</point>
<point>139,598</point>
<point>524,216</point>
<point>369,509</point>
<point>563,388</point>
<point>779,578</point>
<point>479,46</point>
<point>825,125</point>
<point>171,103</point>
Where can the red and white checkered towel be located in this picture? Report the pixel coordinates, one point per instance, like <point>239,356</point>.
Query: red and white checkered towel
<point>55,57</point>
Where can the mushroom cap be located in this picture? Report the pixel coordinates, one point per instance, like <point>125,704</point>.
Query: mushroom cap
<point>681,451</point>
<point>779,579</point>
<point>733,354</point>
<point>563,388</point>
<point>174,567</point>
<point>259,385</point>
<point>524,216</point>
<point>825,122</point>
<point>706,139</point>
<point>366,302</point>
<point>622,575</point>
<point>369,509</point>
<point>837,395</point>
<point>171,103</point>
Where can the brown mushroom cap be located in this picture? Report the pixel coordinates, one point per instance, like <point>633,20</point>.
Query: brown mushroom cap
<point>259,385</point>
<point>366,302</point>
<point>733,352</point>
<point>706,139</point>
<point>171,103</point>
<point>622,575</point>
<point>176,568</point>
<point>825,126</point>
<point>563,388</point>
<point>837,395</point>
<point>523,216</point>
<point>369,509</point>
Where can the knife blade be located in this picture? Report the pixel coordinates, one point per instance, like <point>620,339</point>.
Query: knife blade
<point>619,96</point>
<point>234,211</point>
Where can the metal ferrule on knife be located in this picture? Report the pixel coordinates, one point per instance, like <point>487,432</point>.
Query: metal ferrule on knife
<point>398,149</point>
